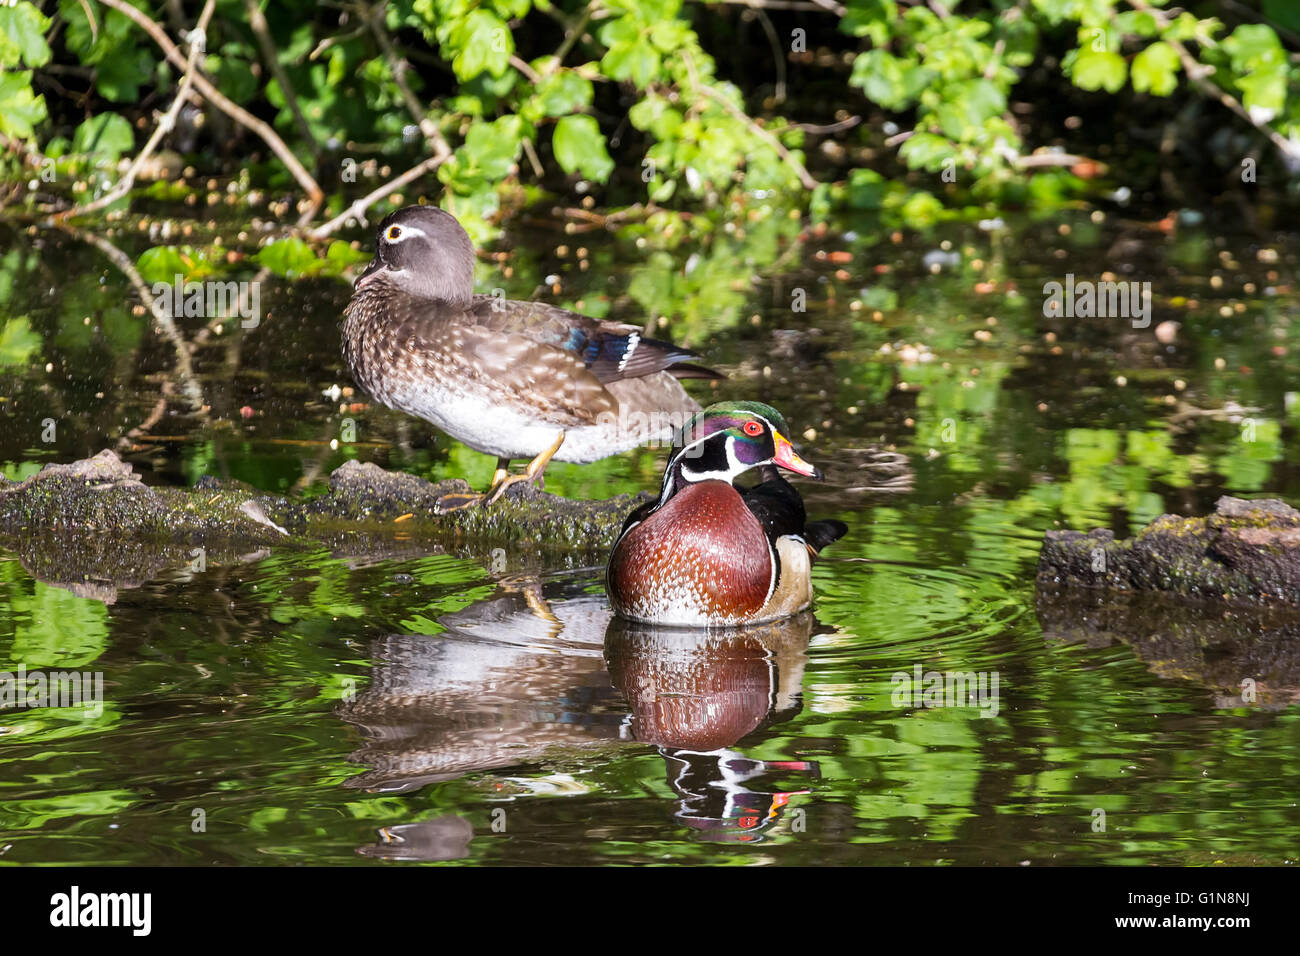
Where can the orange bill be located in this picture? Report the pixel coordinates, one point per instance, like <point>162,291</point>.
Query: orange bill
<point>786,457</point>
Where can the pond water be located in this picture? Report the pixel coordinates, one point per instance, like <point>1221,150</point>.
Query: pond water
<point>369,708</point>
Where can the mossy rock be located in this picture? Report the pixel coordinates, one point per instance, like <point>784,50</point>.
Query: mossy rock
<point>1246,552</point>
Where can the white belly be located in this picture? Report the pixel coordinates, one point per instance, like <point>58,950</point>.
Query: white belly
<point>493,429</point>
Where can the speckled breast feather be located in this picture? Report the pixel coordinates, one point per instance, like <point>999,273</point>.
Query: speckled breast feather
<point>702,558</point>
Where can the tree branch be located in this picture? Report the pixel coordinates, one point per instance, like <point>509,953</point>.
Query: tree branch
<point>356,209</point>
<point>800,170</point>
<point>1197,73</point>
<point>197,40</point>
<point>184,370</point>
<point>397,66</point>
<point>220,100</point>
<point>262,30</point>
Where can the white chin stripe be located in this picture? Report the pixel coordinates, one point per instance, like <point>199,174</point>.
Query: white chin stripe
<point>735,466</point>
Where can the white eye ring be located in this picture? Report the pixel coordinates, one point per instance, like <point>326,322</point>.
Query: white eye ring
<point>397,233</point>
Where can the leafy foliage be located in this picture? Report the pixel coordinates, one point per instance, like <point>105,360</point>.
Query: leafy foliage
<point>622,97</point>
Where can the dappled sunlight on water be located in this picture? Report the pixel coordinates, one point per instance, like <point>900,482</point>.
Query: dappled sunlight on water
<point>405,706</point>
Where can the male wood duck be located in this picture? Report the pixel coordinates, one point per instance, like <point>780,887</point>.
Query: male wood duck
<point>511,379</point>
<point>707,553</point>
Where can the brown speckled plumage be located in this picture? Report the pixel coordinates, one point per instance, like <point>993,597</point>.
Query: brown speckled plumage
<point>703,549</point>
<point>504,377</point>
<point>391,339</point>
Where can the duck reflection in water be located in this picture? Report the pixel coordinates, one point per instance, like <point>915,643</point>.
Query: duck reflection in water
<point>696,693</point>
<point>511,678</point>
<point>542,673</point>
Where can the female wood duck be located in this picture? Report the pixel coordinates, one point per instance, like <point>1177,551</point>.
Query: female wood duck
<point>511,379</point>
<point>706,553</point>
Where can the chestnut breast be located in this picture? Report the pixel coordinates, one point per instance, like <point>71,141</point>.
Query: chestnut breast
<point>701,558</point>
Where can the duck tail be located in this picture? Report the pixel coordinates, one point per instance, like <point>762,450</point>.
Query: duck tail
<point>691,370</point>
<point>612,357</point>
<point>818,534</point>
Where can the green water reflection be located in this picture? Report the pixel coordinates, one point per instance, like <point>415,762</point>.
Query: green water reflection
<point>344,709</point>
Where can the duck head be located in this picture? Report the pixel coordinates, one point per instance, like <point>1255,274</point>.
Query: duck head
<point>424,252</point>
<point>726,440</point>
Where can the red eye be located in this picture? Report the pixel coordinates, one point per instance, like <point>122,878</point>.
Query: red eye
<point>753,429</point>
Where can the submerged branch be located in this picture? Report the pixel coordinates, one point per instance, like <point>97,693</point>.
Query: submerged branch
<point>184,369</point>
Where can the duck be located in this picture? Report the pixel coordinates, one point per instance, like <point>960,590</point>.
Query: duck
<point>707,553</point>
<point>507,378</point>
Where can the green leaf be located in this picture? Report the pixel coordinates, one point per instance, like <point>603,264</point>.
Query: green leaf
<point>105,133</point>
<point>20,109</point>
<point>1155,69</point>
<point>165,263</point>
<point>668,36</point>
<point>120,77</point>
<point>891,81</point>
<point>637,62</point>
<point>561,93</point>
<point>339,251</point>
<point>1141,22</point>
<point>927,151</point>
<point>1095,71</point>
<point>921,210</point>
<point>483,43</point>
<point>1255,51</point>
<point>489,152</point>
<point>867,188</point>
<point>287,257</point>
<point>235,77</point>
<point>22,35</point>
<point>1253,45</point>
<point>966,106</point>
<point>655,115</point>
<point>580,147</point>
<point>1264,89</point>
<point>869,18</point>
<point>18,343</point>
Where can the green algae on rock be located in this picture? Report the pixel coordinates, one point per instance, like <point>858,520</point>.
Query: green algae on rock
<point>93,525</point>
<point>1246,552</point>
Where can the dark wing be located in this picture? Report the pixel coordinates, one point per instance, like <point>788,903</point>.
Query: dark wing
<point>609,350</point>
<point>524,369</point>
<point>780,510</point>
<point>777,506</point>
<point>818,534</point>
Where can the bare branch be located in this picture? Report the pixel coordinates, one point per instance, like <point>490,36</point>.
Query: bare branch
<point>198,41</point>
<point>397,66</point>
<point>262,30</point>
<point>184,370</point>
<point>220,100</point>
<point>573,33</point>
<point>522,66</point>
<point>358,208</point>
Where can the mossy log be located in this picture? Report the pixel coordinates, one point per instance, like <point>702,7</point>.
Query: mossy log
<point>93,525</point>
<point>1245,553</point>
